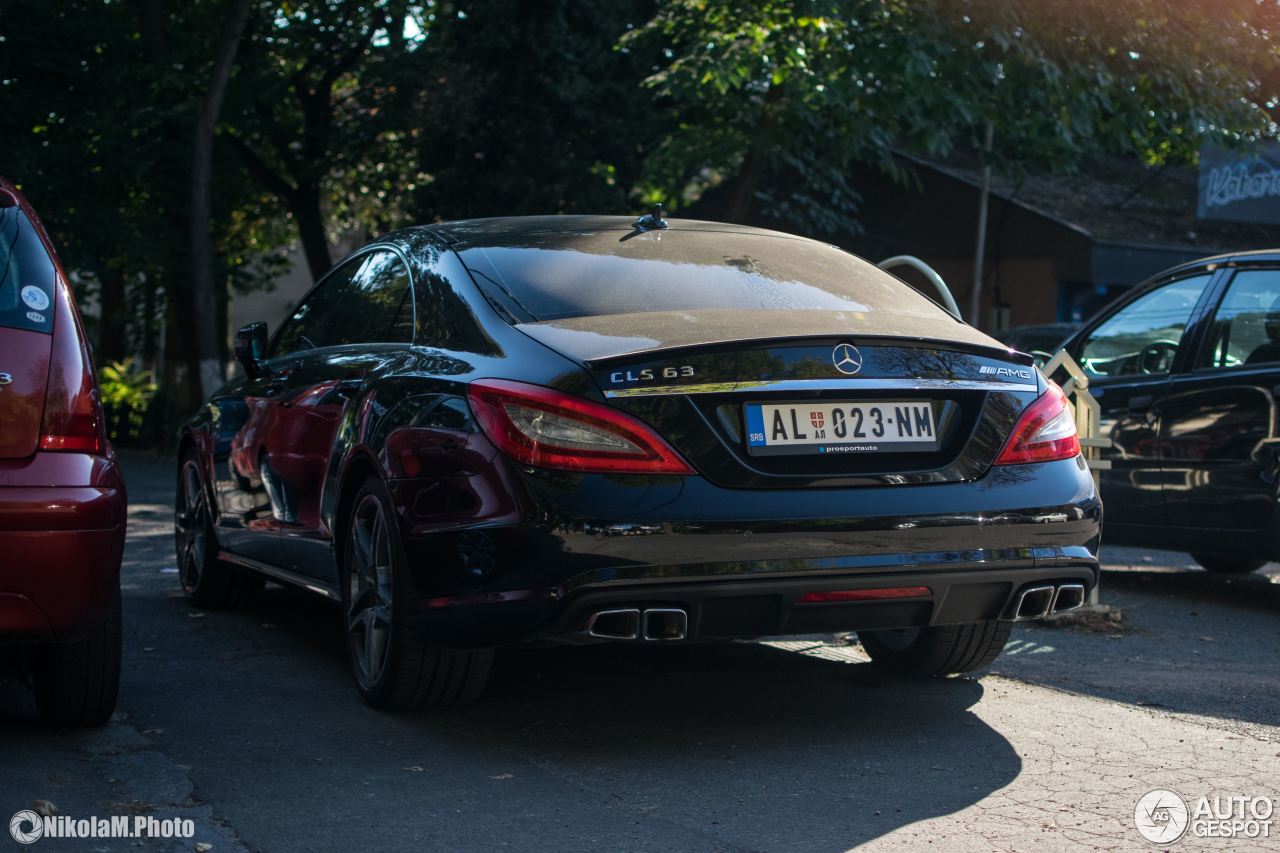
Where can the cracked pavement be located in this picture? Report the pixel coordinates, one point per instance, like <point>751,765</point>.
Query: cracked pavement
<point>247,723</point>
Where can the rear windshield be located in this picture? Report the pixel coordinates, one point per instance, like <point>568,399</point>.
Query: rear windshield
<point>556,276</point>
<point>26,275</point>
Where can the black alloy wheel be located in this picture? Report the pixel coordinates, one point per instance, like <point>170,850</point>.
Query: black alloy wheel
<point>206,581</point>
<point>396,666</point>
<point>370,592</point>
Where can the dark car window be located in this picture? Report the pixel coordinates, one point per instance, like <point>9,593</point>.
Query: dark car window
<point>316,322</point>
<point>26,275</point>
<point>445,320</point>
<point>1144,336</point>
<point>557,276</point>
<point>1246,328</point>
<point>372,308</point>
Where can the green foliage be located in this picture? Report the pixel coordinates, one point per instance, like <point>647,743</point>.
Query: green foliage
<point>791,92</point>
<point>367,115</point>
<point>527,108</point>
<point>127,391</point>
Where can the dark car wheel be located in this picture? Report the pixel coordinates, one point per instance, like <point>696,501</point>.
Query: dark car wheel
<point>1228,565</point>
<point>940,650</point>
<point>76,684</point>
<point>206,580</point>
<point>394,664</point>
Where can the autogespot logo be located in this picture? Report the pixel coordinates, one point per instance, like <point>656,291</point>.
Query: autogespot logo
<point>847,359</point>
<point>26,827</point>
<point>1161,816</point>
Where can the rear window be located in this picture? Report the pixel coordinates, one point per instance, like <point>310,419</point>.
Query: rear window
<point>556,276</point>
<point>26,275</point>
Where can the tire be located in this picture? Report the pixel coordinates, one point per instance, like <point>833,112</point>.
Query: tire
<point>1228,565</point>
<point>940,650</point>
<point>76,684</point>
<point>207,582</point>
<point>394,664</point>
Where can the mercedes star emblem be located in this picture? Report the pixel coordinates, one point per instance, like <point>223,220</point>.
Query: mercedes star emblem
<point>847,359</point>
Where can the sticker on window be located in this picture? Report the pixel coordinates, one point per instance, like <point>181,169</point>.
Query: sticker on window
<point>35,298</point>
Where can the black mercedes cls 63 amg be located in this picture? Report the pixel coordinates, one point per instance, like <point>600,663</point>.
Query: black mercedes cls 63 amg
<point>588,429</point>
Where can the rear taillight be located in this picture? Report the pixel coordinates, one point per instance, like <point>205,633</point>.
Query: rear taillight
<point>547,429</point>
<point>73,419</point>
<point>1045,432</point>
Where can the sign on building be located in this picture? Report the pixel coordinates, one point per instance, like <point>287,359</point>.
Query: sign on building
<point>1242,186</point>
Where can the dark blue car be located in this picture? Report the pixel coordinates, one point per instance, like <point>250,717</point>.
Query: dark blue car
<point>589,430</point>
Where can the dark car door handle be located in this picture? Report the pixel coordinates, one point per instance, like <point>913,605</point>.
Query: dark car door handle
<point>277,383</point>
<point>1140,403</point>
<point>348,387</point>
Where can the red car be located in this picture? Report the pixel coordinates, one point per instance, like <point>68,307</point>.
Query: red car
<point>62,495</point>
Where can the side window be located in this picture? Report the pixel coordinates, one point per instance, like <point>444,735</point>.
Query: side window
<point>1144,336</point>
<point>317,321</point>
<point>1246,329</point>
<point>445,320</point>
<point>377,306</point>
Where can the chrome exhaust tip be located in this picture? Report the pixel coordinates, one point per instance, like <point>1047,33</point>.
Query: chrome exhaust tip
<point>1069,597</point>
<point>620,624</point>
<point>1035,602</point>
<point>665,623</point>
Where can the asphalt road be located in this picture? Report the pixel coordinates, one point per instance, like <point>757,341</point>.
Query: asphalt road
<point>247,723</point>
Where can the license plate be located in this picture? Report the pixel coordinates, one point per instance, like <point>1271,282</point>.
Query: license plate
<point>894,426</point>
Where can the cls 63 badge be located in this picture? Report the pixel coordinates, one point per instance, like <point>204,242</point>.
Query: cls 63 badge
<point>648,374</point>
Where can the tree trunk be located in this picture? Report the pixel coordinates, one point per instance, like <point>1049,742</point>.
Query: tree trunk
<point>743,194</point>
<point>204,298</point>
<point>304,203</point>
<point>980,251</point>
<point>112,317</point>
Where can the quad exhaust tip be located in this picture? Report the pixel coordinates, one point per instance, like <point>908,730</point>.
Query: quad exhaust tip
<point>1069,597</point>
<point>665,623</point>
<point>620,624</point>
<point>629,623</point>
<point>1037,602</point>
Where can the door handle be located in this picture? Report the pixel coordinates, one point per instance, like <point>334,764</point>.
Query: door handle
<point>1141,403</point>
<point>277,383</point>
<point>348,387</point>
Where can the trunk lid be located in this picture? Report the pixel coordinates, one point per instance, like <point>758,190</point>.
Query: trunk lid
<point>707,400</point>
<point>24,372</point>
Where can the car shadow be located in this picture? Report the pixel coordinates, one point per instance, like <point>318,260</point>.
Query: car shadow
<point>760,747</point>
<point>733,746</point>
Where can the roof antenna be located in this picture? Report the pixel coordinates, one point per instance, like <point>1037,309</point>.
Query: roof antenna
<point>651,220</point>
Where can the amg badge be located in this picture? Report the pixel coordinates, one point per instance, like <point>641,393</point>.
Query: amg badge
<point>1005,371</point>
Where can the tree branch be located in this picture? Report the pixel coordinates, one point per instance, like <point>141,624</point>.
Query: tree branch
<point>260,171</point>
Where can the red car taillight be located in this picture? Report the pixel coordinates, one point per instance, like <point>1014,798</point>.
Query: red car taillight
<point>73,419</point>
<point>547,429</point>
<point>1045,432</point>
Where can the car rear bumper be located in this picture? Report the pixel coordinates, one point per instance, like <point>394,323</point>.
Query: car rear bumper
<point>739,562</point>
<point>60,545</point>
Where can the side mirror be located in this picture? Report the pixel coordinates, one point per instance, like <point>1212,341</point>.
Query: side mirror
<point>251,348</point>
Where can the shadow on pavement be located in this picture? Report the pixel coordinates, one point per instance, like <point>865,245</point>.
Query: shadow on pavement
<point>1190,642</point>
<point>738,746</point>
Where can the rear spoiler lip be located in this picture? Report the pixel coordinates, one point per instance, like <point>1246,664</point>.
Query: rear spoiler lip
<point>619,359</point>
<point>846,384</point>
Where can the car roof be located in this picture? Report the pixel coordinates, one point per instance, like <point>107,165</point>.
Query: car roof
<point>514,230</point>
<point>1256,256</point>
